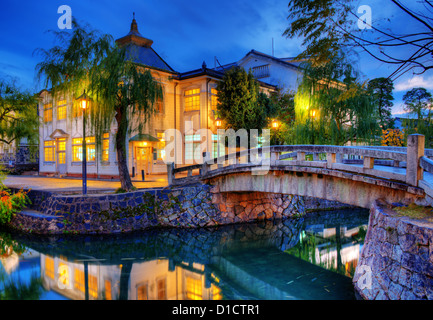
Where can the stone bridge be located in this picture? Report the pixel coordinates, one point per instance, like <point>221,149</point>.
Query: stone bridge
<point>355,176</point>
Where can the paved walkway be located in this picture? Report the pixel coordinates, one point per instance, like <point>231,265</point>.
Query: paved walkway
<point>76,184</point>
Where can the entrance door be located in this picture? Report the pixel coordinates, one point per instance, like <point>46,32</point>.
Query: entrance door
<point>144,160</point>
<point>61,155</point>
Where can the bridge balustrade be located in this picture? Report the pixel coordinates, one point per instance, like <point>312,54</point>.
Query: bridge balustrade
<point>408,165</point>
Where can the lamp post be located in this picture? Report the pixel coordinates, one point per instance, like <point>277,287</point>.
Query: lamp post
<point>84,104</point>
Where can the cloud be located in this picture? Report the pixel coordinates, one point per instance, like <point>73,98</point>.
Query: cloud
<point>415,82</point>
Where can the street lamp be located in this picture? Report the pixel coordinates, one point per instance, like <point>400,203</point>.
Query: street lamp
<point>275,124</point>
<point>84,103</point>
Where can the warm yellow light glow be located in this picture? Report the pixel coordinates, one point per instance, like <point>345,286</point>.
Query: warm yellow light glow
<point>83,104</point>
<point>312,113</point>
<point>274,124</point>
<point>218,123</point>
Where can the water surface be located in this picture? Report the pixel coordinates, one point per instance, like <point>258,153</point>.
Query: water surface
<point>312,258</point>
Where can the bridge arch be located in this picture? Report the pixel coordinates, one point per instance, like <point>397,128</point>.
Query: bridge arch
<point>329,185</point>
<point>353,175</point>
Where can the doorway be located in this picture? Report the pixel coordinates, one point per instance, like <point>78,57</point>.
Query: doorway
<point>61,155</point>
<point>143,156</point>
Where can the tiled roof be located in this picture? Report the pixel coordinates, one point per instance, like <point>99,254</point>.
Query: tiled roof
<point>139,49</point>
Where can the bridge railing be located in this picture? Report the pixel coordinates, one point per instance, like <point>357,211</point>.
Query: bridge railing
<point>401,164</point>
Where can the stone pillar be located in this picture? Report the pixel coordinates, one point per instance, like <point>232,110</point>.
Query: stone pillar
<point>205,165</point>
<point>415,150</point>
<point>170,172</point>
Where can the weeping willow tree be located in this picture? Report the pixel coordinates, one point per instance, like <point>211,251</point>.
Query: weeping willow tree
<point>126,93</point>
<point>121,91</point>
<point>332,106</point>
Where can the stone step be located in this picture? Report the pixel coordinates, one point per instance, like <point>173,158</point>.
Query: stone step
<point>38,215</point>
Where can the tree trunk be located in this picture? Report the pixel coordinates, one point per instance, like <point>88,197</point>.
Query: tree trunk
<point>122,125</point>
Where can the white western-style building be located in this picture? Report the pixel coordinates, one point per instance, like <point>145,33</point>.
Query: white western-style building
<point>189,104</point>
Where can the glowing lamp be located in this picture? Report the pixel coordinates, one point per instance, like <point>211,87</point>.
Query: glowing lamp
<point>275,124</point>
<point>84,101</point>
<point>218,122</point>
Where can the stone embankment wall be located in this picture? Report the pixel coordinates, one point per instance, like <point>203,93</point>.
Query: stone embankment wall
<point>396,262</point>
<point>192,206</point>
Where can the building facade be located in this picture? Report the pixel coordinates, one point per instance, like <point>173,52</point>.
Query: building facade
<point>189,105</point>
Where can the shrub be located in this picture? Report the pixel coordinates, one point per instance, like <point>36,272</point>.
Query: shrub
<point>10,204</point>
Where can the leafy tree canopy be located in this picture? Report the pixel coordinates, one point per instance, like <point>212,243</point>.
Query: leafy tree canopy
<point>417,101</point>
<point>240,103</point>
<point>380,90</point>
<point>18,113</point>
<point>332,106</point>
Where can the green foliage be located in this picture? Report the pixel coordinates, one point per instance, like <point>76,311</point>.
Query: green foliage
<point>418,101</point>
<point>240,103</point>
<point>320,24</point>
<point>380,90</point>
<point>332,106</point>
<point>284,105</point>
<point>18,114</point>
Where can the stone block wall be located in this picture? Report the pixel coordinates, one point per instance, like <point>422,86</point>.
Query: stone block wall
<point>396,262</point>
<point>193,206</point>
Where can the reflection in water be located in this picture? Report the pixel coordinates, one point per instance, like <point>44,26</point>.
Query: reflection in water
<point>309,258</point>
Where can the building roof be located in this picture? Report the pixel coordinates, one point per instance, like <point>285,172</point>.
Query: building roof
<point>139,49</point>
<point>289,62</point>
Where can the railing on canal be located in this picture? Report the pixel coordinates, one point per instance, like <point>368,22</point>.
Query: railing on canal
<point>412,165</point>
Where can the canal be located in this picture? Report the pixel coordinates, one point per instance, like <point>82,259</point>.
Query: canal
<point>308,258</point>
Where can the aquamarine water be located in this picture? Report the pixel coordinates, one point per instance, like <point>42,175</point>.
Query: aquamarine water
<point>312,258</point>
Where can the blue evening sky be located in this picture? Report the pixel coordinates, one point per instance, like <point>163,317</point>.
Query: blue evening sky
<point>185,33</point>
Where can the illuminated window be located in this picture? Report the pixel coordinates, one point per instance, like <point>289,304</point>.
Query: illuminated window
<point>192,142</point>
<point>142,292</point>
<point>48,112</point>
<point>79,280</point>
<point>107,286</point>
<point>160,151</point>
<point>61,151</point>
<point>213,98</point>
<point>77,149</point>
<point>49,267</point>
<point>216,292</point>
<point>193,289</point>
<point>192,100</point>
<point>77,111</point>
<point>61,109</point>
<point>161,289</point>
<point>93,286</point>
<point>215,152</point>
<point>105,146</point>
<point>49,150</point>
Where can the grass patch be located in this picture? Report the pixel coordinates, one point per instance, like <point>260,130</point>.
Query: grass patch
<point>415,211</point>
